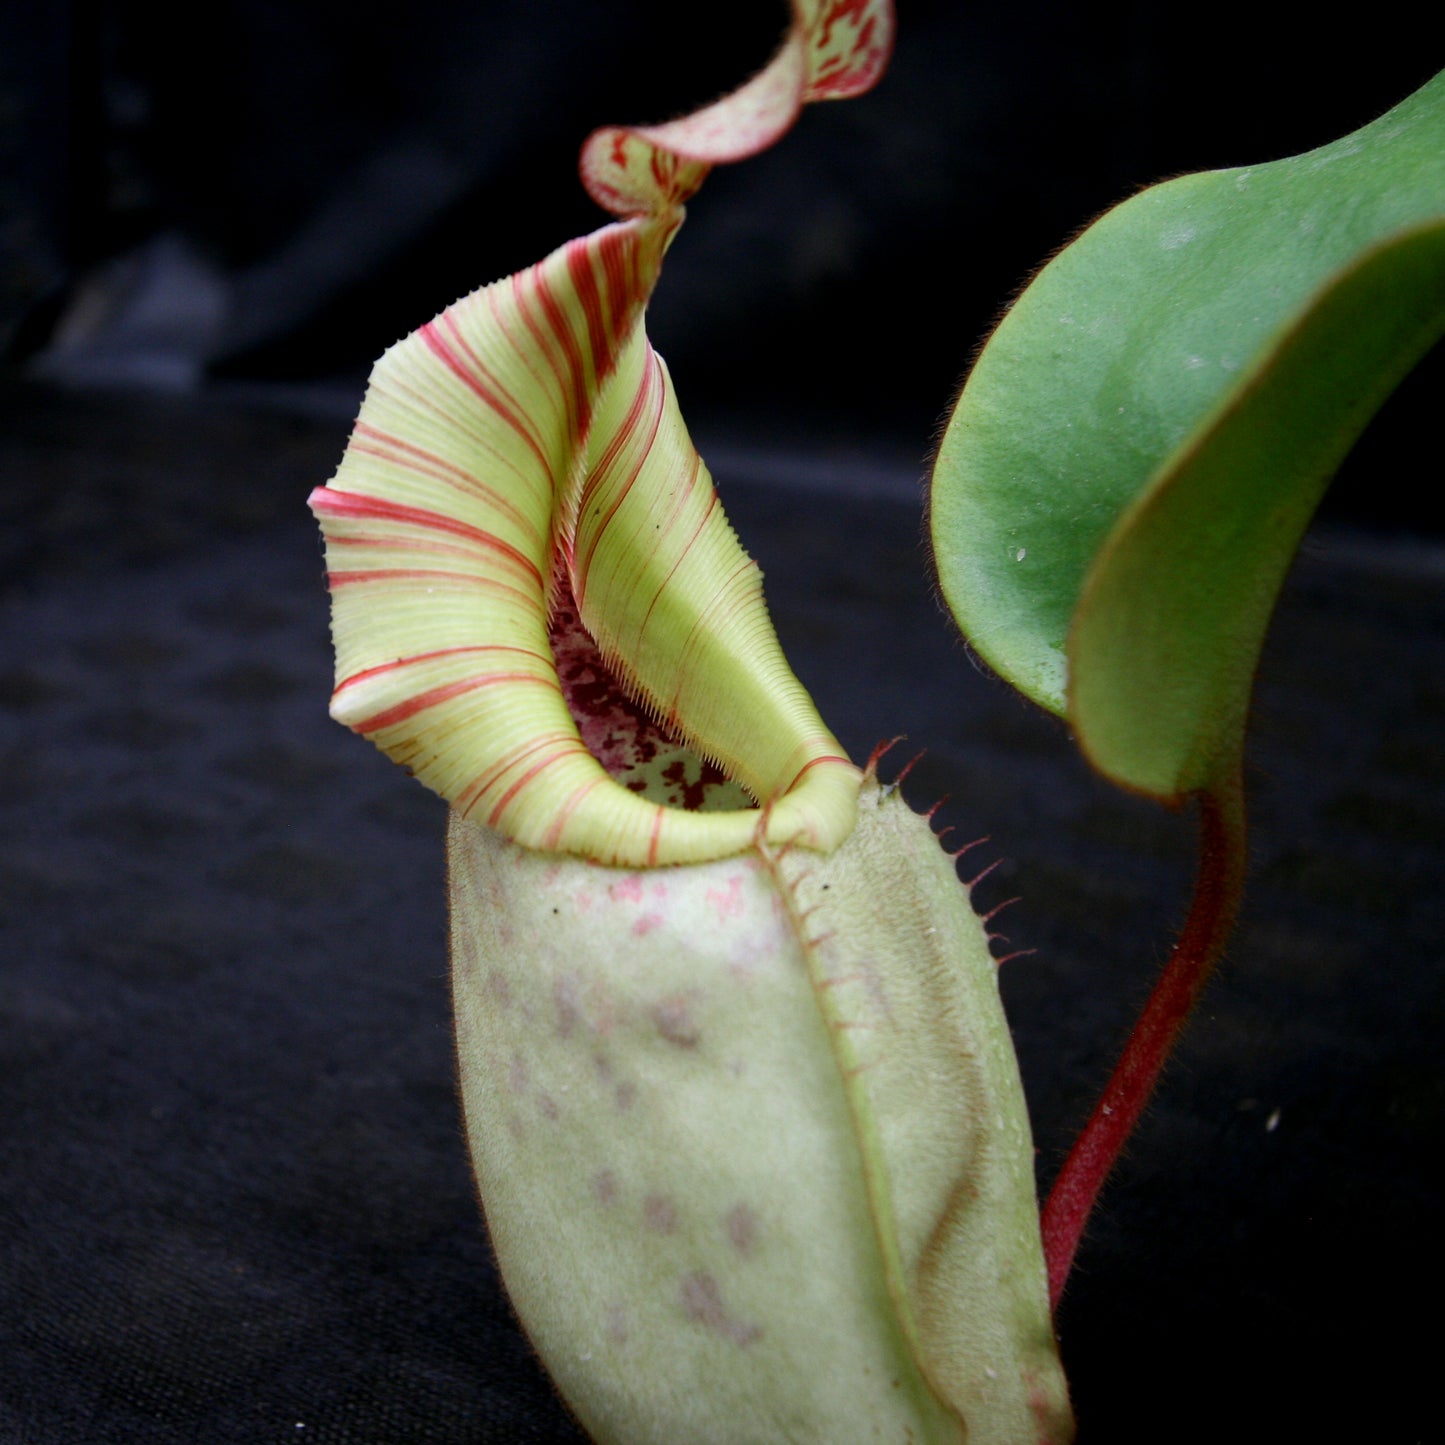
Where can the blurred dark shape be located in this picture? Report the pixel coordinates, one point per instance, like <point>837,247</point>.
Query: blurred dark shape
<point>269,192</point>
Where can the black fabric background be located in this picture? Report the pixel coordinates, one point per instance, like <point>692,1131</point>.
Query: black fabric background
<point>234,1201</point>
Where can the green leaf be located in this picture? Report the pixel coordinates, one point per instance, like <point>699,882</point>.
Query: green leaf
<point>1129,468</point>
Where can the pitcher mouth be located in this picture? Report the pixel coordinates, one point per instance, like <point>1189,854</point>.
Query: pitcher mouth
<point>644,714</point>
<point>632,743</point>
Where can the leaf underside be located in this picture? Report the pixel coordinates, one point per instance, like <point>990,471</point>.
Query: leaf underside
<point>1128,470</point>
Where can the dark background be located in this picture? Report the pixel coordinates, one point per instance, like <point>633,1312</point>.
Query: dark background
<point>234,1204</point>
<point>269,192</point>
